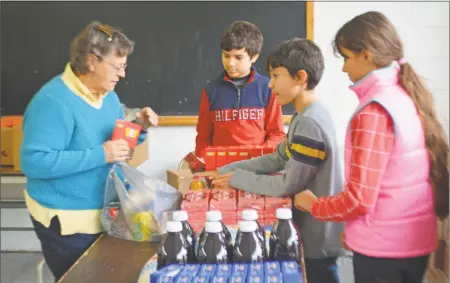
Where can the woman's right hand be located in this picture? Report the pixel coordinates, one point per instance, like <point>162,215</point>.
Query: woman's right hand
<point>116,151</point>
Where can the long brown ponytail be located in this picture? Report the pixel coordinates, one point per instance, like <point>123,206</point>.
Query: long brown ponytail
<point>373,32</point>
<point>435,138</point>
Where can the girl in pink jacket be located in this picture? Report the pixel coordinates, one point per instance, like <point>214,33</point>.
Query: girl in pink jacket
<point>396,166</point>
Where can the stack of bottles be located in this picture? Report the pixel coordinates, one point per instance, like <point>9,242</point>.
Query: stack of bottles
<point>214,256</point>
<point>218,156</point>
<point>231,203</point>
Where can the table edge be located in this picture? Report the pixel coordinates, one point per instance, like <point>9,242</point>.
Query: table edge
<point>80,258</point>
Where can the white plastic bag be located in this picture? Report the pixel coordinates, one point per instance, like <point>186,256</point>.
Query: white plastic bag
<point>135,204</point>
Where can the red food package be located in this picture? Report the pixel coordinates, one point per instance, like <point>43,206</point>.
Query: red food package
<point>274,203</point>
<point>195,163</point>
<point>250,200</point>
<point>127,131</point>
<point>243,152</point>
<point>229,214</point>
<point>229,222</point>
<point>255,151</point>
<point>268,149</point>
<point>196,200</point>
<point>197,227</point>
<point>270,214</point>
<point>210,158</point>
<point>232,154</point>
<point>221,156</point>
<point>223,199</point>
<point>197,215</point>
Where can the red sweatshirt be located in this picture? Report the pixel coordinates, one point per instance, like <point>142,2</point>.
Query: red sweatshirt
<point>230,116</point>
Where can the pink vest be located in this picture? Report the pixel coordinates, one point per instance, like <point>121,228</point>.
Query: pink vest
<point>402,223</point>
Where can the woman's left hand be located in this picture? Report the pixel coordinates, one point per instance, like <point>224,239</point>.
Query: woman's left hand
<point>147,117</point>
<point>305,200</point>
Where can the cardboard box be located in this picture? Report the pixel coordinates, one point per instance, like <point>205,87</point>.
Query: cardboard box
<point>140,154</point>
<point>17,142</point>
<point>6,140</point>
<point>11,139</point>
<point>180,179</point>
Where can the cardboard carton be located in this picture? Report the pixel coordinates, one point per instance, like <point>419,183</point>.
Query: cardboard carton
<point>140,154</point>
<point>11,139</point>
<point>180,179</point>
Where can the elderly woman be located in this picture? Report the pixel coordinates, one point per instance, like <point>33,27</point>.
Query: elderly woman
<point>66,153</point>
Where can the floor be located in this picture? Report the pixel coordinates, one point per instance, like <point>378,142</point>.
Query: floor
<point>21,268</point>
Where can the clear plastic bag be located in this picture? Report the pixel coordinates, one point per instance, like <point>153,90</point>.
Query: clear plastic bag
<point>135,205</point>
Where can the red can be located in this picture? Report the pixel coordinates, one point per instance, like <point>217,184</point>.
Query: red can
<point>221,156</point>
<point>232,154</point>
<point>244,152</point>
<point>195,163</point>
<point>210,158</point>
<point>127,131</point>
<point>112,210</point>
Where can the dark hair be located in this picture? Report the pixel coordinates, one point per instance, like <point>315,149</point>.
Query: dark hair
<point>242,34</point>
<point>373,32</point>
<point>98,39</point>
<point>298,54</point>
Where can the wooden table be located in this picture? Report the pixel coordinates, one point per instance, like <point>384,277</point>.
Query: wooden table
<point>110,260</point>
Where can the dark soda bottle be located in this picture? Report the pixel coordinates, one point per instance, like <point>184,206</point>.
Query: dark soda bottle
<point>173,249</point>
<point>284,242</point>
<point>188,233</point>
<point>248,246</point>
<point>252,215</point>
<point>216,216</point>
<point>213,246</point>
<point>213,216</point>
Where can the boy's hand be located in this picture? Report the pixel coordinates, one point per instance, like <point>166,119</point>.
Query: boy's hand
<point>222,181</point>
<point>208,174</point>
<point>304,200</point>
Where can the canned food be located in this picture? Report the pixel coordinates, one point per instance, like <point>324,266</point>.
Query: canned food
<point>198,183</point>
<point>142,225</point>
<point>127,131</point>
<point>112,210</point>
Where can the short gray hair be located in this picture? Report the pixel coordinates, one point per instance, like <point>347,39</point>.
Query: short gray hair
<point>98,39</point>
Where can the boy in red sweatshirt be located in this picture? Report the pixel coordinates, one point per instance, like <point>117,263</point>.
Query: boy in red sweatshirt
<point>238,108</point>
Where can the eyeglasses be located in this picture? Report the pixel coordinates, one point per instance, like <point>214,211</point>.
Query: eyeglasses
<point>117,68</point>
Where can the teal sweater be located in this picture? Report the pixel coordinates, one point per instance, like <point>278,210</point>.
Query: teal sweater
<point>62,152</point>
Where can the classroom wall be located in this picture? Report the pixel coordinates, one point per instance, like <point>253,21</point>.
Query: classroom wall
<point>424,29</point>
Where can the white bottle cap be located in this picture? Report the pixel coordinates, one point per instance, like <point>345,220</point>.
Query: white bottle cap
<point>213,227</point>
<point>248,226</point>
<point>250,215</point>
<point>174,226</point>
<point>284,213</point>
<point>214,215</point>
<point>180,215</point>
